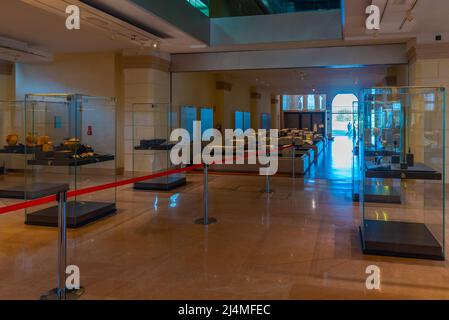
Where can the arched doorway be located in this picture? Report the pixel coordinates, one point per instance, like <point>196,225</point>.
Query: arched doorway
<point>344,114</point>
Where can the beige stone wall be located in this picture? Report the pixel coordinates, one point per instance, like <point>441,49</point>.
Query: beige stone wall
<point>94,74</point>
<point>429,73</point>
<point>224,93</point>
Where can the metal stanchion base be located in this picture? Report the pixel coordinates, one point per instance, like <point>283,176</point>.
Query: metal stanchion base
<point>203,222</point>
<point>267,192</point>
<point>69,294</point>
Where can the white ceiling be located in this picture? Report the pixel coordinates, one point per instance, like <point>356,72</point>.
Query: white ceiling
<point>45,30</point>
<point>427,17</point>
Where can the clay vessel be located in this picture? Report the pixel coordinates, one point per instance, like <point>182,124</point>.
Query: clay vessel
<point>12,140</point>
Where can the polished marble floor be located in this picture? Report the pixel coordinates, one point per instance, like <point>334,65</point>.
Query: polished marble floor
<point>301,242</point>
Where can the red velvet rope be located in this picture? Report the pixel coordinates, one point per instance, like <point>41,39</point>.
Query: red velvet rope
<point>71,194</point>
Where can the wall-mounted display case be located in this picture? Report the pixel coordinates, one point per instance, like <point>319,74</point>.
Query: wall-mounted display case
<point>152,125</point>
<point>72,139</point>
<point>307,120</point>
<point>402,172</point>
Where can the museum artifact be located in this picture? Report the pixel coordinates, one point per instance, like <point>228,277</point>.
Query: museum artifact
<point>12,140</point>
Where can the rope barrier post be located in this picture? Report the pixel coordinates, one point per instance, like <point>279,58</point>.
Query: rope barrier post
<point>206,220</point>
<point>62,243</point>
<point>267,189</point>
<point>60,292</point>
<point>293,161</point>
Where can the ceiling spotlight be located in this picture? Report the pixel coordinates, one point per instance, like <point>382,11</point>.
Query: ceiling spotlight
<point>156,44</point>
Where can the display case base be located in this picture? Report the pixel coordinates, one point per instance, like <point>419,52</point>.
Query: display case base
<point>33,191</point>
<point>400,239</point>
<point>78,214</point>
<point>378,194</point>
<point>69,294</point>
<point>162,184</point>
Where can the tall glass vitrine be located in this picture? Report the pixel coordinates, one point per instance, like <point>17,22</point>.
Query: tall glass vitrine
<point>152,124</point>
<point>402,165</point>
<point>73,143</point>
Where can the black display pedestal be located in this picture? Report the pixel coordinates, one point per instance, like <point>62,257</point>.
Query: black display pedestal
<point>32,191</point>
<point>400,239</point>
<point>79,213</point>
<point>162,183</point>
<point>378,194</point>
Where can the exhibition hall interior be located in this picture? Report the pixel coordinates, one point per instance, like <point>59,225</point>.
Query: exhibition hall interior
<point>351,114</point>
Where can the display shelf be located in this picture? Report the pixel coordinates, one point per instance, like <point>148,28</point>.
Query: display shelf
<point>21,149</point>
<point>33,190</point>
<point>379,194</point>
<point>79,213</point>
<point>163,183</point>
<point>71,162</point>
<point>419,171</point>
<point>404,239</point>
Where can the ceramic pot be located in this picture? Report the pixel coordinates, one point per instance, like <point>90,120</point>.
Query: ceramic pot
<point>72,144</point>
<point>12,140</point>
<point>31,140</point>
<point>47,147</point>
<point>42,140</point>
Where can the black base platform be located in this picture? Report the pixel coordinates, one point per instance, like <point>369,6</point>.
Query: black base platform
<point>378,194</point>
<point>400,239</point>
<point>78,214</point>
<point>162,184</point>
<point>33,191</point>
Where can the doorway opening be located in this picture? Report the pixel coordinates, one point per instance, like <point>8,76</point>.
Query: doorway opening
<point>344,115</point>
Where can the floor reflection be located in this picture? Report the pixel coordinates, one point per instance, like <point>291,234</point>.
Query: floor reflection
<point>336,162</point>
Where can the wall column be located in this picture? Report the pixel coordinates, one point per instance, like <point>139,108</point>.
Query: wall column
<point>254,108</point>
<point>7,88</point>
<point>146,81</point>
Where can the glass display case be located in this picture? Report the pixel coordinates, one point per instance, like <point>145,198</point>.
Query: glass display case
<point>72,139</point>
<point>13,151</point>
<point>152,125</point>
<point>402,172</point>
<point>382,143</point>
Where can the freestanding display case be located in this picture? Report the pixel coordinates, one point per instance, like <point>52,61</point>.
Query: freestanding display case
<point>12,149</point>
<point>382,144</point>
<point>73,138</point>
<point>152,125</point>
<point>402,163</point>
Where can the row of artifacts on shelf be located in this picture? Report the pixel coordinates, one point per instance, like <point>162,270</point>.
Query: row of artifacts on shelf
<point>43,148</point>
<point>287,136</point>
<point>299,137</point>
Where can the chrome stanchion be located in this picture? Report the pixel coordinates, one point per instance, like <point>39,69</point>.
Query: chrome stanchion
<point>206,220</point>
<point>61,293</point>
<point>267,184</point>
<point>293,161</point>
<point>267,189</point>
<point>62,243</point>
